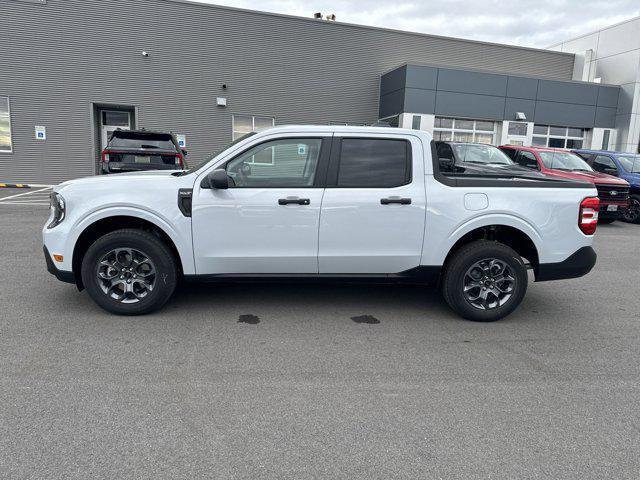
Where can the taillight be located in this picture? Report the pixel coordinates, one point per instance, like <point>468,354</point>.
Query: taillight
<point>588,218</point>
<point>180,159</point>
<point>105,156</point>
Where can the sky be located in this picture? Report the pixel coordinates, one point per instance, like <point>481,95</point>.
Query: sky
<point>528,23</point>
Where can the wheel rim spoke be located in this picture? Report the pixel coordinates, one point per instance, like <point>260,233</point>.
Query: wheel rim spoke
<point>488,284</point>
<point>126,275</point>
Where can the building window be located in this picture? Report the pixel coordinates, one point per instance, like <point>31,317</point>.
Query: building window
<point>464,130</point>
<point>605,139</point>
<point>518,129</point>
<point>415,122</point>
<point>5,126</point>
<point>243,124</point>
<point>557,137</point>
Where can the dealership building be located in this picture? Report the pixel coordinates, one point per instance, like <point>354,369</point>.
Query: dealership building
<point>75,70</point>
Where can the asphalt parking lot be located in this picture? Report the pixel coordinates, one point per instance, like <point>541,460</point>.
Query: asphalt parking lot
<point>280,381</point>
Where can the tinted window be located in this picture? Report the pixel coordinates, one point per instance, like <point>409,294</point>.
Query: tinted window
<point>527,159</point>
<point>603,163</point>
<point>511,153</point>
<point>289,162</point>
<point>373,163</point>
<point>631,163</point>
<point>564,161</point>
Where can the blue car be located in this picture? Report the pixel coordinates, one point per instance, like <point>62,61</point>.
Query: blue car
<point>623,165</point>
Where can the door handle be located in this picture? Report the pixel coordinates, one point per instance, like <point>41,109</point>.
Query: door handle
<point>398,200</point>
<point>294,200</point>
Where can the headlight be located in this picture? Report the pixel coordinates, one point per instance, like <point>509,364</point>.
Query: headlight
<point>57,208</point>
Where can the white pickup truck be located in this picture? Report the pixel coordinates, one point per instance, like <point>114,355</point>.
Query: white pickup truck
<point>344,203</point>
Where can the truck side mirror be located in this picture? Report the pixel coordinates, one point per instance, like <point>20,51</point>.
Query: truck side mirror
<point>218,179</point>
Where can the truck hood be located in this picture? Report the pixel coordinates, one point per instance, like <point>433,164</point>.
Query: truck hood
<point>596,178</point>
<point>135,180</point>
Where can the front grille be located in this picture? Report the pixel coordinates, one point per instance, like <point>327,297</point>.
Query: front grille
<point>613,192</point>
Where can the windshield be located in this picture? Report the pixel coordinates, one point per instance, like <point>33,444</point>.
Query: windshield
<point>481,154</point>
<point>631,163</point>
<point>213,155</point>
<point>564,161</point>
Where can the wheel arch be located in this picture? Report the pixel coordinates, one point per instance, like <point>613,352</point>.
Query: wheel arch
<point>512,236</point>
<point>101,226</point>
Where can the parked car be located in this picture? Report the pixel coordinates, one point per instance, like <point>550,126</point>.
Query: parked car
<point>623,165</point>
<point>323,202</point>
<point>137,150</point>
<point>612,191</point>
<point>476,159</point>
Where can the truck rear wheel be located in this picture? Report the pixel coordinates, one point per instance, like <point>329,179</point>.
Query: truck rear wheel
<point>129,272</point>
<point>484,281</point>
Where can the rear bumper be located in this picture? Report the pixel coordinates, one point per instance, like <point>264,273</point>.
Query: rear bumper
<point>578,264</point>
<point>61,275</point>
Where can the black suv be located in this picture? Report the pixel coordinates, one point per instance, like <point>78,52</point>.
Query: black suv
<point>136,150</point>
<point>477,159</point>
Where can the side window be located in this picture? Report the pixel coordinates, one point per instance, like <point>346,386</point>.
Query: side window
<point>372,162</point>
<point>527,159</point>
<point>289,162</point>
<point>512,153</point>
<point>604,164</point>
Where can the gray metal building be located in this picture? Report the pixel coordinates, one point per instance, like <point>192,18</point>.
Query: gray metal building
<point>74,70</point>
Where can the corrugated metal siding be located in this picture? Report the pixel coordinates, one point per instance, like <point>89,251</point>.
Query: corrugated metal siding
<point>62,57</point>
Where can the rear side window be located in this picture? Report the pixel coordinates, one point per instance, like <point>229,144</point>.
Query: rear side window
<point>372,162</point>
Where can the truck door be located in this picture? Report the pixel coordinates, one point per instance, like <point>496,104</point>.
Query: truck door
<point>373,210</point>
<point>267,221</point>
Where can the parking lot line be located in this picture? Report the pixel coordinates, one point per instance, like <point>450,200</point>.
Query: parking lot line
<point>33,197</point>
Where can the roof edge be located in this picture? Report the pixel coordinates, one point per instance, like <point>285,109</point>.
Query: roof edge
<point>367,27</point>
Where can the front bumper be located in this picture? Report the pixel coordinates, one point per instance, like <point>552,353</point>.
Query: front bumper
<point>605,213</point>
<point>578,264</point>
<point>61,275</point>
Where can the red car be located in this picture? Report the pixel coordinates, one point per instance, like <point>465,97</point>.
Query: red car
<point>612,191</point>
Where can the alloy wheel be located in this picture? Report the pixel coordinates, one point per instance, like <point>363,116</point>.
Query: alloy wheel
<point>632,213</point>
<point>126,275</point>
<point>488,284</point>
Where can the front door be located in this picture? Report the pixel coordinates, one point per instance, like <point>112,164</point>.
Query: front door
<point>373,210</point>
<point>267,222</point>
<point>111,120</point>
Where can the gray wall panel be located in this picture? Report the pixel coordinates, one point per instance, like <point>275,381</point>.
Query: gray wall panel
<point>67,54</point>
<point>514,105</point>
<point>564,114</point>
<point>421,101</point>
<point>422,77</point>
<point>608,96</point>
<point>471,82</point>
<point>469,105</point>
<point>392,103</point>
<point>568,92</point>
<point>605,117</point>
<point>394,80</point>
<point>520,87</point>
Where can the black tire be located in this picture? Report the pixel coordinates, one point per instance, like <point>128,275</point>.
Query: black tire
<point>463,260</point>
<point>606,221</point>
<point>162,259</point>
<point>632,215</point>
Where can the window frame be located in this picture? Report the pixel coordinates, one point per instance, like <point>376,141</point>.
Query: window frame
<point>474,131</point>
<point>253,129</point>
<point>336,153</point>
<point>10,151</point>
<point>321,168</point>
<point>565,138</point>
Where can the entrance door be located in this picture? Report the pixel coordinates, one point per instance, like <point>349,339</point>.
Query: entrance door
<point>267,221</point>
<point>111,120</point>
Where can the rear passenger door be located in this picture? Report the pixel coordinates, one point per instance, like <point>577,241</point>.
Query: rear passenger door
<point>373,211</point>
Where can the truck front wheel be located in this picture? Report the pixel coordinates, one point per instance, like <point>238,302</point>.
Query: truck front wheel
<point>129,272</point>
<point>484,281</point>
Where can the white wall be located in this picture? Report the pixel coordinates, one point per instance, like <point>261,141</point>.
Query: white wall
<point>615,58</point>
